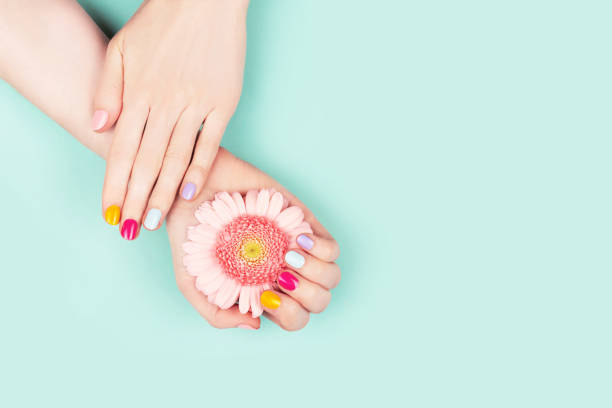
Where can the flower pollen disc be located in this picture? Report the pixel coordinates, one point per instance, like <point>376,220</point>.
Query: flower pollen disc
<point>250,250</point>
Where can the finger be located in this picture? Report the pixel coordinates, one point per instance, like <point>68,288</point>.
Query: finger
<point>221,319</point>
<point>146,167</point>
<point>173,169</point>
<point>326,274</point>
<point>120,160</point>
<point>205,152</point>
<point>108,98</point>
<point>313,297</point>
<point>326,249</point>
<point>284,310</point>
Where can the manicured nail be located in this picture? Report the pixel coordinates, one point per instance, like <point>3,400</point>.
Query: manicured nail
<point>128,231</point>
<point>152,219</point>
<point>270,300</point>
<point>295,259</point>
<point>305,242</point>
<point>99,119</point>
<point>246,327</point>
<point>287,281</point>
<point>112,215</point>
<point>188,191</point>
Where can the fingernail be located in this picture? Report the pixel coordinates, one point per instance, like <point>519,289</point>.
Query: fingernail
<point>152,219</point>
<point>294,259</point>
<point>112,215</point>
<point>99,119</point>
<point>188,191</point>
<point>129,228</point>
<point>270,300</point>
<point>305,242</point>
<point>287,281</point>
<point>246,327</point>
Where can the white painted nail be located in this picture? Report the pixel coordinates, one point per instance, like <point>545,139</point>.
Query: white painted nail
<point>152,220</point>
<point>295,259</point>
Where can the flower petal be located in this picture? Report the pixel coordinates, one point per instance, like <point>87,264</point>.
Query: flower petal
<point>263,200</point>
<point>214,285</point>
<point>290,218</point>
<point>251,202</point>
<point>229,201</point>
<point>245,301</point>
<point>224,292</point>
<point>191,247</point>
<point>239,203</point>
<point>206,215</point>
<point>201,266</point>
<point>231,299</point>
<point>222,211</point>
<point>303,228</point>
<point>207,275</point>
<point>276,204</point>
<point>202,233</point>
<point>256,307</point>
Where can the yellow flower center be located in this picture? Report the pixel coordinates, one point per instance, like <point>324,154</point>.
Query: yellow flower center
<point>251,250</point>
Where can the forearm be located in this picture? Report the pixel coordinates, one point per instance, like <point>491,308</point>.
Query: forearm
<point>52,53</point>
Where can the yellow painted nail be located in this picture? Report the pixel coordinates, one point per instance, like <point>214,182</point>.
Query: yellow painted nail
<point>113,215</point>
<point>270,300</point>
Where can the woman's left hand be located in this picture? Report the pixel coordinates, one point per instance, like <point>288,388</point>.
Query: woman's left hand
<point>175,65</point>
<point>304,288</point>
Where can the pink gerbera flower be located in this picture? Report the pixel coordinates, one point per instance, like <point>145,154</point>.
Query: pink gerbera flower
<point>237,250</point>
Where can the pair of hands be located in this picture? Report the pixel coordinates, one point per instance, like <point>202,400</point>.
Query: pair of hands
<point>176,67</point>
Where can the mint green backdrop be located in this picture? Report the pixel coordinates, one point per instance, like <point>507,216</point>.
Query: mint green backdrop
<point>458,150</point>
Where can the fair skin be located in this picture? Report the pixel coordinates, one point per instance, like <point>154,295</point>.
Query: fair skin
<point>175,66</point>
<point>53,54</point>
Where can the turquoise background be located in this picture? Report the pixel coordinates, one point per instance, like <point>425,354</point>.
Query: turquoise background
<point>458,150</point>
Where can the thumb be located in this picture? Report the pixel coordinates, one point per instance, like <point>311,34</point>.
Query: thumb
<point>107,102</point>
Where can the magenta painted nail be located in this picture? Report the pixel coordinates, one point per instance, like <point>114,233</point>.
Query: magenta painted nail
<point>287,281</point>
<point>305,242</point>
<point>99,119</point>
<point>188,191</point>
<point>129,229</point>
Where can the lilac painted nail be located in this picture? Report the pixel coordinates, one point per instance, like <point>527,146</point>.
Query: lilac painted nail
<point>188,191</point>
<point>305,242</point>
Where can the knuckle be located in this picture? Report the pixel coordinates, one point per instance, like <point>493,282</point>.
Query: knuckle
<point>213,319</point>
<point>331,251</point>
<point>321,302</point>
<point>198,168</point>
<point>174,158</point>
<point>294,318</point>
<point>334,276</point>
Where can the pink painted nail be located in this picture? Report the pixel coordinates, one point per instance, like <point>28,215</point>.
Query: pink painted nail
<point>99,119</point>
<point>129,229</point>
<point>287,281</point>
<point>246,327</point>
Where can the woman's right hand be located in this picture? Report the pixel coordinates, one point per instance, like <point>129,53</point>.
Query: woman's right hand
<point>315,271</point>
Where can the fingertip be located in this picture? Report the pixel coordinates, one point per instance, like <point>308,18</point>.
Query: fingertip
<point>153,219</point>
<point>99,120</point>
<point>188,192</point>
<point>305,242</point>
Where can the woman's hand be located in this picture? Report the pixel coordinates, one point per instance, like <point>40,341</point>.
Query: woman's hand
<point>175,65</point>
<point>30,57</point>
<point>307,287</point>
